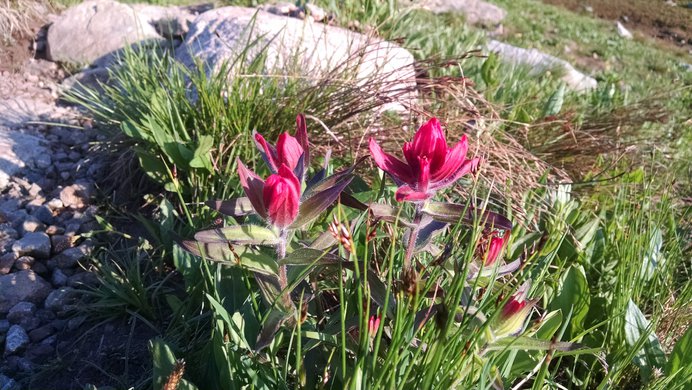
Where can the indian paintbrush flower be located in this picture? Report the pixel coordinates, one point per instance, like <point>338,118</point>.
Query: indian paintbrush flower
<point>493,246</point>
<point>513,314</point>
<point>289,150</point>
<point>277,199</point>
<point>430,163</point>
<point>373,325</point>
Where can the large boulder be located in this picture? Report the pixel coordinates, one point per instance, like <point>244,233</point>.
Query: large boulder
<point>298,48</point>
<point>22,286</point>
<point>476,11</point>
<point>94,29</point>
<point>540,62</point>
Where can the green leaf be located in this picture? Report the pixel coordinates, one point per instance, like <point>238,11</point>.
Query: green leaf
<point>639,334</point>
<point>307,256</point>
<point>573,297</point>
<point>228,254</point>
<point>164,364</point>
<point>488,69</point>
<point>237,207</point>
<point>549,325</point>
<point>653,256</point>
<point>554,103</point>
<point>313,206</point>
<point>239,234</point>
<point>233,325</point>
<point>681,356</point>
<point>201,157</point>
<point>456,213</point>
<point>271,325</point>
<point>527,343</point>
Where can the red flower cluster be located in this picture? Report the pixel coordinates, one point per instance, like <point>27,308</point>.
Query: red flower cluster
<point>430,163</point>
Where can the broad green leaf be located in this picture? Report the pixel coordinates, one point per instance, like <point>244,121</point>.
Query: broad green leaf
<point>237,207</point>
<point>226,253</point>
<point>549,325</point>
<point>201,157</point>
<point>681,356</point>
<point>239,234</point>
<point>573,296</point>
<point>638,334</point>
<point>554,104</point>
<point>586,232</point>
<point>456,213</point>
<point>164,364</point>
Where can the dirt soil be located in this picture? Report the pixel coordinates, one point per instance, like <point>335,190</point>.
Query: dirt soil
<point>671,23</point>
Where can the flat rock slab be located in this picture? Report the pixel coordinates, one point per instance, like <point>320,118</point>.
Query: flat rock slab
<point>95,29</point>
<point>298,48</point>
<point>477,12</point>
<point>540,62</point>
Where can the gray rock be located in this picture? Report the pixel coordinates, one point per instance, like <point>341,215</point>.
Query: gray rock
<point>95,29</point>
<point>44,214</point>
<point>7,236</point>
<point>55,204</point>
<point>7,383</point>
<point>4,327</point>
<point>59,299</point>
<point>317,13</point>
<point>33,244</point>
<point>16,340</point>
<point>476,11</point>
<point>43,161</point>
<point>280,8</point>
<point>169,22</point>
<point>54,230</point>
<point>61,242</point>
<point>21,312</point>
<point>45,315</point>
<point>299,49</point>
<point>77,195</point>
<point>25,262</point>
<point>22,286</point>
<point>70,257</point>
<point>6,263</point>
<point>88,279</point>
<point>41,333</point>
<point>539,63</point>
<point>17,150</point>
<point>59,279</point>
<point>32,224</point>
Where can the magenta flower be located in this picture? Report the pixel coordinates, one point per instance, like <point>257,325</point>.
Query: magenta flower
<point>514,313</point>
<point>289,150</point>
<point>277,199</point>
<point>373,325</point>
<point>495,245</point>
<point>430,164</point>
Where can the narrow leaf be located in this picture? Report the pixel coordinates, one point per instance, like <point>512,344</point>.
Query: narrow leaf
<point>312,207</point>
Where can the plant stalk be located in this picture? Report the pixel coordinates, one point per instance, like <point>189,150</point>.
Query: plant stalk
<point>280,254</point>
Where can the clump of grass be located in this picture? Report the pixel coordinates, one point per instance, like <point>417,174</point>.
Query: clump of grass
<point>17,18</point>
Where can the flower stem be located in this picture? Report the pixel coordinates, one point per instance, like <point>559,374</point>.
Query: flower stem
<point>413,237</point>
<point>280,254</point>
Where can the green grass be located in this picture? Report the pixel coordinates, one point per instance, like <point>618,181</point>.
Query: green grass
<point>610,267</point>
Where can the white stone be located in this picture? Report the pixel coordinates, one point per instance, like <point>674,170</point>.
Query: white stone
<point>296,48</point>
<point>540,63</point>
<point>622,31</point>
